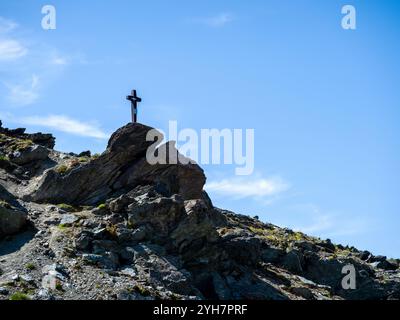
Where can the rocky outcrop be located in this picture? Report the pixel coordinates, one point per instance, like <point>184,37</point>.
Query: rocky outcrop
<point>29,154</point>
<point>117,227</point>
<point>43,139</point>
<point>121,167</point>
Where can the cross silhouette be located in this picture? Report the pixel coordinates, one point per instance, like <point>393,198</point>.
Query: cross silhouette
<point>134,99</point>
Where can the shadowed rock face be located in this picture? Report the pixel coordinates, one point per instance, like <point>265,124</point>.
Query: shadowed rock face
<point>122,166</point>
<point>12,220</point>
<point>13,216</point>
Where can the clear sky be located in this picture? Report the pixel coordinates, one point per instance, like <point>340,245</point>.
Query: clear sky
<point>324,101</point>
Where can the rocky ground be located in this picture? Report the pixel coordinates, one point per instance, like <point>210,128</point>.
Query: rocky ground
<point>111,226</point>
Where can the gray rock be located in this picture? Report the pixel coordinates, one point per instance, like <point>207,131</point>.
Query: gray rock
<point>3,291</point>
<point>377,259</point>
<point>45,294</point>
<point>26,278</point>
<point>12,220</point>
<point>293,261</point>
<point>119,204</point>
<point>128,272</point>
<point>55,269</point>
<point>14,277</point>
<point>108,261</point>
<point>122,164</point>
<point>364,255</point>
<point>83,241</point>
<point>51,221</point>
<point>327,245</point>
<point>304,292</point>
<point>30,154</point>
<point>385,265</point>
<point>138,234</point>
<point>100,233</point>
<point>68,219</point>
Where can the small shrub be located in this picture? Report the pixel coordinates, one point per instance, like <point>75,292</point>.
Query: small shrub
<point>83,159</point>
<point>66,207</point>
<point>86,208</point>
<point>5,204</point>
<point>258,231</point>
<point>74,163</point>
<point>223,231</point>
<point>112,230</point>
<point>59,286</point>
<point>22,144</point>
<point>130,225</point>
<point>62,169</point>
<point>297,236</point>
<point>30,266</point>
<point>142,290</point>
<point>175,297</point>
<point>4,158</point>
<point>17,296</point>
<point>102,206</point>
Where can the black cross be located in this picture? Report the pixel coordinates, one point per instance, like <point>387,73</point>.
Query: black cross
<point>134,99</point>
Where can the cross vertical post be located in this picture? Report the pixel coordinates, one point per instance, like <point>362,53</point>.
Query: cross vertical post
<point>134,99</point>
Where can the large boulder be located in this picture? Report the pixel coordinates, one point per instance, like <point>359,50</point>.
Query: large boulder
<point>44,139</point>
<point>12,219</point>
<point>121,167</point>
<point>30,154</point>
<point>186,179</point>
<point>195,228</point>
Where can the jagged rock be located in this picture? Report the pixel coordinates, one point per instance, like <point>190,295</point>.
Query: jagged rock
<point>364,255</point>
<point>304,292</point>
<point>187,180</point>
<point>83,184</point>
<point>138,234</point>
<point>83,241</point>
<point>12,219</point>
<point>43,139</point>
<point>165,271</point>
<point>328,245</point>
<point>377,259</point>
<point>271,254</point>
<point>108,261</point>
<point>293,261</point>
<point>385,265</point>
<point>85,154</point>
<point>30,154</point>
<point>68,219</point>
<point>196,225</point>
<point>123,164</point>
<point>161,214</point>
<point>244,250</point>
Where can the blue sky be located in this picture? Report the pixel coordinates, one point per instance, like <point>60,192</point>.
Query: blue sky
<point>324,101</point>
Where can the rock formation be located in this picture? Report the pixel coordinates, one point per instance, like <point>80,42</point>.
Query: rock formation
<point>112,226</point>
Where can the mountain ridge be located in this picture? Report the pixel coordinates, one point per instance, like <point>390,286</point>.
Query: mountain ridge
<point>112,226</point>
